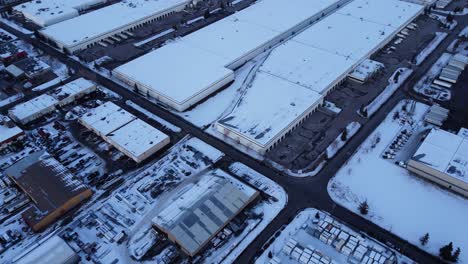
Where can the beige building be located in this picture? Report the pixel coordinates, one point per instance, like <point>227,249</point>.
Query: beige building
<point>443,159</point>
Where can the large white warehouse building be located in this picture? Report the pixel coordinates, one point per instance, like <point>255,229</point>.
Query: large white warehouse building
<point>186,71</point>
<point>48,12</point>
<point>315,61</point>
<point>86,30</point>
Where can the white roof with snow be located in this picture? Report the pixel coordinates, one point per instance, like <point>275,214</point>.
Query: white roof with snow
<point>48,12</point>
<point>268,107</point>
<point>445,152</point>
<point>6,132</point>
<point>310,67</point>
<point>186,67</point>
<point>137,137</point>
<point>53,250</point>
<point>33,107</point>
<point>107,19</point>
<point>159,71</point>
<point>296,74</point>
<point>391,13</point>
<point>106,118</point>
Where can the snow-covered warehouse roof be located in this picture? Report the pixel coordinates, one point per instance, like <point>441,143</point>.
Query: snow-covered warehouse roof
<point>444,152</point>
<point>107,19</point>
<point>137,138</point>
<point>106,118</point>
<point>48,12</point>
<point>270,106</point>
<point>310,64</point>
<point>36,106</point>
<point>216,49</point>
<point>53,250</point>
<point>200,211</point>
<point>132,136</point>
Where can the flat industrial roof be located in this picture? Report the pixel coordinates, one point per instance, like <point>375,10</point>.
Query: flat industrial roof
<point>391,13</point>
<point>137,137</point>
<point>8,132</point>
<point>445,152</point>
<point>200,211</point>
<point>33,106</point>
<point>346,35</point>
<point>107,19</point>
<point>270,105</point>
<point>315,59</point>
<point>72,89</point>
<point>53,250</point>
<point>46,12</point>
<point>107,118</point>
<point>176,71</point>
<point>170,70</point>
<point>310,67</point>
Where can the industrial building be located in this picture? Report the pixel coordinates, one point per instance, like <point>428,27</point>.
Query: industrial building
<point>9,132</point>
<point>53,250</point>
<point>10,53</point>
<point>133,137</point>
<point>28,68</point>
<point>314,64</point>
<point>443,158</point>
<point>167,74</point>
<point>198,212</point>
<point>257,124</point>
<point>35,108</point>
<point>48,12</point>
<point>89,29</point>
<point>51,187</point>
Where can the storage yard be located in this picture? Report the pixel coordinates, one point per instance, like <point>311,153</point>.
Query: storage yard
<point>315,237</point>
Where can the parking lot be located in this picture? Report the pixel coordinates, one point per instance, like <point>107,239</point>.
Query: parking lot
<point>302,150</point>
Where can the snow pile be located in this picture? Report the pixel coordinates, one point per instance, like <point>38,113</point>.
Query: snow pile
<point>351,129</point>
<point>439,37</point>
<point>397,79</point>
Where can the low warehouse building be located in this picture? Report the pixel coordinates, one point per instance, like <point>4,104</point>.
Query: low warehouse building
<point>200,211</point>
<point>29,68</point>
<point>87,30</point>
<point>48,12</point>
<point>35,108</point>
<point>51,187</point>
<point>443,159</point>
<point>314,64</point>
<point>167,74</point>
<point>9,132</point>
<point>54,250</point>
<point>133,137</point>
<point>138,140</point>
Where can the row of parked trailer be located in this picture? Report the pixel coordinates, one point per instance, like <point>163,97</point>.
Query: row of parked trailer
<point>402,35</point>
<point>451,72</point>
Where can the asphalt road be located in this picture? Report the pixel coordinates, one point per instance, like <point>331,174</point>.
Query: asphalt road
<point>303,192</point>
